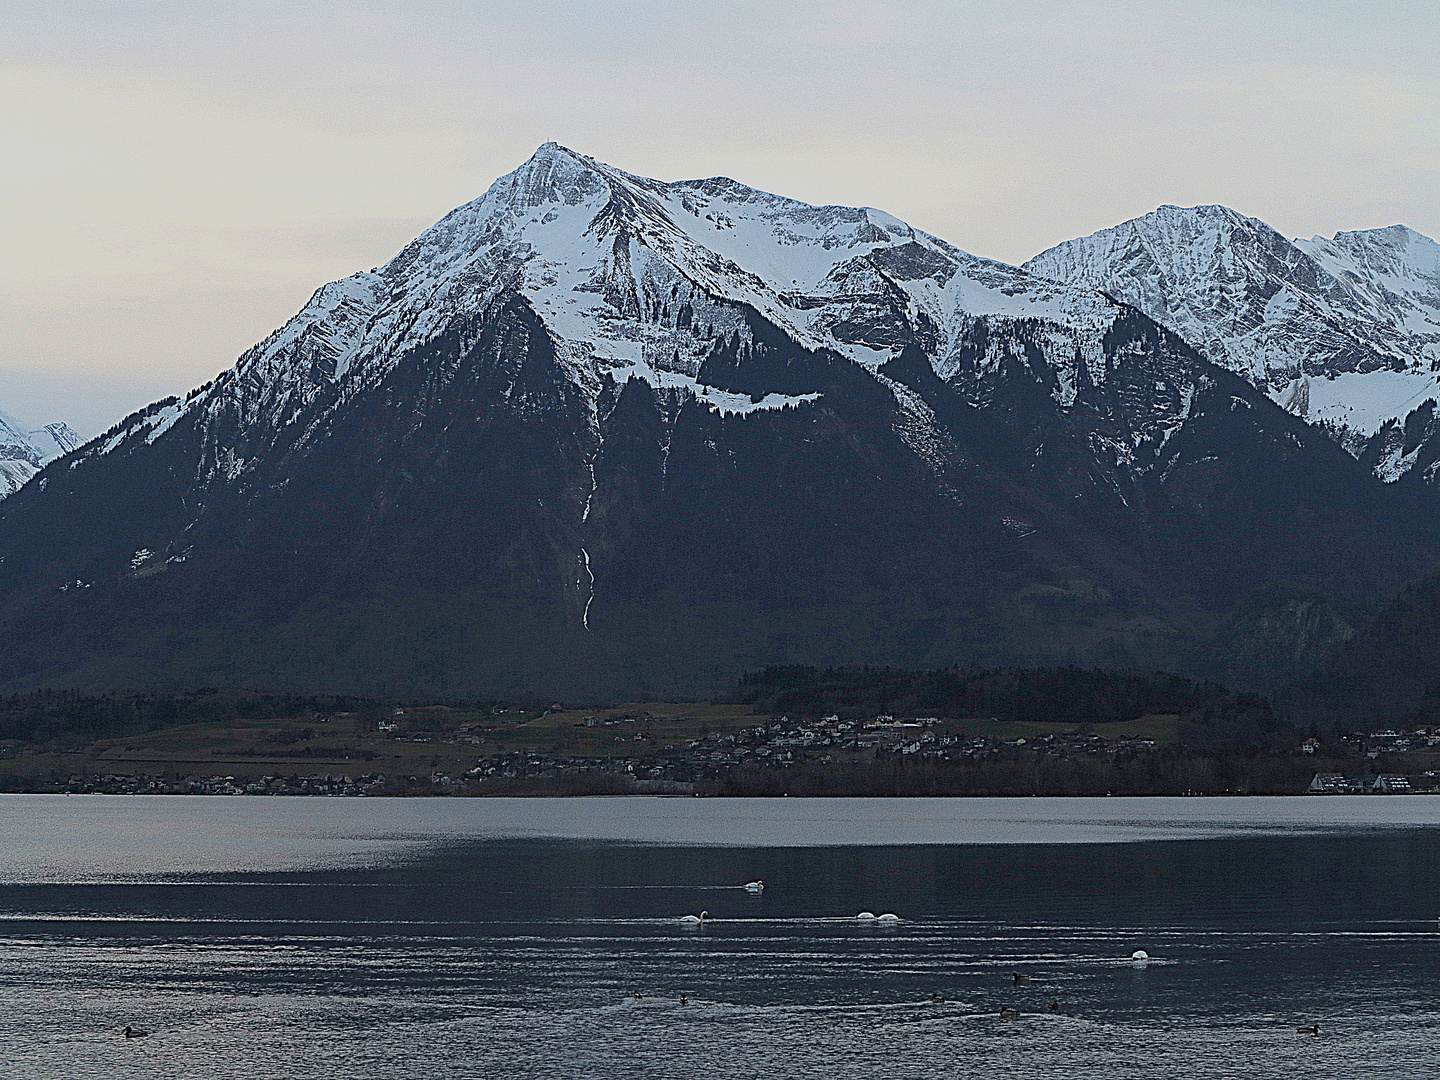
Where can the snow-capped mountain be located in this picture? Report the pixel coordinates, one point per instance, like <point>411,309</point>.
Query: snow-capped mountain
<point>600,433</point>
<point>23,451</point>
<point>1345,332</point>
<point>637,278</point>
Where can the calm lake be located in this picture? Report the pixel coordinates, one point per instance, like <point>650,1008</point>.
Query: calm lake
<point>373,938</point>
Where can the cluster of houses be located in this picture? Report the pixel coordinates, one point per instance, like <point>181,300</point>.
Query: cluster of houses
<point>1370,747</point>
<point>1382,742</point>
<point>1393,742</point>
<point>783,742</point>
<point>887,736</point>
<point>1383,784</point>
<point>779,742</point>
<point>319,784</point>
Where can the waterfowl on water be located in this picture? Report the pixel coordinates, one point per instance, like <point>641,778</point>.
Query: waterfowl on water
<point>1313,1029</point>
<point>937,998</point>
<point>134,1032</point>
<point>865,916</point>
<point>684,1000</point>
<point>755,886</point>
<point>1140,955</point>
<point>1054,1006</point>
<point>1020,978</point>
<point>694,920</point>
<point>1008,1013</point>
<point>888,917</point>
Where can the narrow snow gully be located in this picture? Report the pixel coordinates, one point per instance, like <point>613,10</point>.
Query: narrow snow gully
<point>584,517</point>
<point>590,599</point>
<point>590,497</point>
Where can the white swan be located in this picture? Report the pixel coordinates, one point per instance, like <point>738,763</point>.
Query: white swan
<point>865,916</point>
<point>755,886</point>
<point>1140,955</point>
<point>889,917</point>
<point>694,920</point>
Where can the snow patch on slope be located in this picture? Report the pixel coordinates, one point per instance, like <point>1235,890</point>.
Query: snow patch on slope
<point>724,402</point>
<point>1365,401</point>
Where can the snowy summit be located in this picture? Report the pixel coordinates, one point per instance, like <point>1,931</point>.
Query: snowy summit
<point>1344,332</point>
<point>24,450</point>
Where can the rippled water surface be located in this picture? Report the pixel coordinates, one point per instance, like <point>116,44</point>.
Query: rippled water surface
<point>509,938</point>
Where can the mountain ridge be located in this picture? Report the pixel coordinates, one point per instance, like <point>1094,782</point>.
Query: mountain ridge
<point>1345,331</point>
<point>595,433</point>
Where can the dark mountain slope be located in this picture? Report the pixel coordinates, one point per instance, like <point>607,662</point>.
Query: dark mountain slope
<point>1388,674</point>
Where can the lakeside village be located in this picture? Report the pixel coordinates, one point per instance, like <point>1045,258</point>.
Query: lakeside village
<point>699,766</point>
<point>1371,747</point>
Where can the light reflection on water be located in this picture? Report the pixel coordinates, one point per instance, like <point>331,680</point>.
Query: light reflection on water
<point>377,939</point>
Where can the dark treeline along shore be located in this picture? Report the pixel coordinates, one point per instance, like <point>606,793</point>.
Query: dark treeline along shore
<point>792,730</point>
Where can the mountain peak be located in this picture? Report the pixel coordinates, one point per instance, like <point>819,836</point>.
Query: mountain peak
<point>552,174</point>
<point>1397,234</point>
<point>1198,210</point>
<point>1346,331</point>
<point>1165,234</point>
<point>25,450</point>
<point>1394,248</point>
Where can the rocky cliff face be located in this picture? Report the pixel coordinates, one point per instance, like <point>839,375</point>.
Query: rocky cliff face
<point>598,434</point>
<point>1345,332</point>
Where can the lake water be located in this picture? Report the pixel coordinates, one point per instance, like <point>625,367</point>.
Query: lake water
<point>357,938</point>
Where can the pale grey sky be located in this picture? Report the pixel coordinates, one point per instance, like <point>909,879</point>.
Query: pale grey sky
<point>177,177</point>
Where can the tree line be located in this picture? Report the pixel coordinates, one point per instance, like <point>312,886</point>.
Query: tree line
<point>1213,717</point>
<point>71,717</point>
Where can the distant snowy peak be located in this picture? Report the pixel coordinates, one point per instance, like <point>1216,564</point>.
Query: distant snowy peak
<point>54,440</point>
<point>24,451</point>
<point>1396,268</point>
<point>1253,300</point>
<point>1343,331</point>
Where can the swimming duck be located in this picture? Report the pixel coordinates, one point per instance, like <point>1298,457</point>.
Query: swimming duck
<point>1020,978</point>
<point>937,998</point>
<point>134,1032</point>
<point>1313,1029</point>
<point>1008,1013</point>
